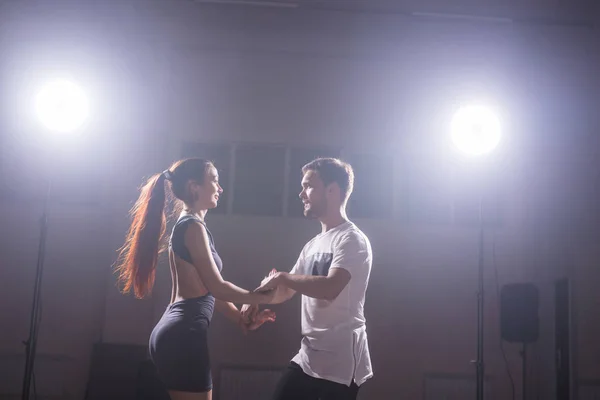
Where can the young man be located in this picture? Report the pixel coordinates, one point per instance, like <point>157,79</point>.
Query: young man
<point>332,275</point>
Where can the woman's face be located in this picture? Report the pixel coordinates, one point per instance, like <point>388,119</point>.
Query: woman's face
<point>206,195</point>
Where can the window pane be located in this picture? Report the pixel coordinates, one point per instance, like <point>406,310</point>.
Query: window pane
<point>429,197</point>
<point>373,194</point>
<point>259,174</point>
<point>220,155</point>
<point>299,157</point>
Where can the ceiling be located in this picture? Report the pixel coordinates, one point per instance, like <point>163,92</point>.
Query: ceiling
<point>526,11</point>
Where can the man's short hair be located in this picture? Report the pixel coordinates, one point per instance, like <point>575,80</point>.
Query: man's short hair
<point>332,170</point>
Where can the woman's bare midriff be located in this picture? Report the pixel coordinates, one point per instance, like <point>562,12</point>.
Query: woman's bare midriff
<point>186,281</point>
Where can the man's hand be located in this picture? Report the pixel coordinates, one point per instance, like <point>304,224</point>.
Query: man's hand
<point>257,321</point>
<point>265,315</point>
<point>270,282</point>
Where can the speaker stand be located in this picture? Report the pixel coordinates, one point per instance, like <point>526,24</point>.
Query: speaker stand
<point>524,371</point>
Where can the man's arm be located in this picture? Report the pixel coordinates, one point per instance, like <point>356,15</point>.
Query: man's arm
<point>350,252</point>
<point>319,287</point>
<point>282,294</point>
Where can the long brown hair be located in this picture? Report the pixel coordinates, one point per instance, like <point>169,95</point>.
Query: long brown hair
<point>138,257</point>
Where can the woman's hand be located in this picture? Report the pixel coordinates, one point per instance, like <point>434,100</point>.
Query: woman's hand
<point>248,312</point>
<point>257,320</point>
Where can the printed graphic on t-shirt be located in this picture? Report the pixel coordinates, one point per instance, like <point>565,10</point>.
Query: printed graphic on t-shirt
<point>320,264</point>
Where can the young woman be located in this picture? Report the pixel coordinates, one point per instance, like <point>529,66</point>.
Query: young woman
<point>179,343</point>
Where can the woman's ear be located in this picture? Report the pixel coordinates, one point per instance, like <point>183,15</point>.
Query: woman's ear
<point>194,188</point>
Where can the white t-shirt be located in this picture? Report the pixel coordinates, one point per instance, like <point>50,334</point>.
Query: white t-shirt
<point>334,344</point>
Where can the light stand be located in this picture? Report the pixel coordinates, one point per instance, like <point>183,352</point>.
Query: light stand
<point>480,303</point>
<point>524,371</point>
<point>62,107</point>
<point>31,343</point>
<point>476,132</point>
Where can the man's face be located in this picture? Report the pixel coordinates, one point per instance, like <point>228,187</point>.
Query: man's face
<point>313,195</point>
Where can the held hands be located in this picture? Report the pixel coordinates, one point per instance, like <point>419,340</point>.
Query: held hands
<point>248,312</point>
<point>270,282</point>
<point>251,319</point>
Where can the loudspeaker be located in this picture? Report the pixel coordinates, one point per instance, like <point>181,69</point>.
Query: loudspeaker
<point>519,320</point>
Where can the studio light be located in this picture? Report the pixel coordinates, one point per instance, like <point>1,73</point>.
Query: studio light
<point>475,130</point>
<point>61,106</point>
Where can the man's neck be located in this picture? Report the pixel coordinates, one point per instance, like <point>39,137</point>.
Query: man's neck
<point>329,222</point>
